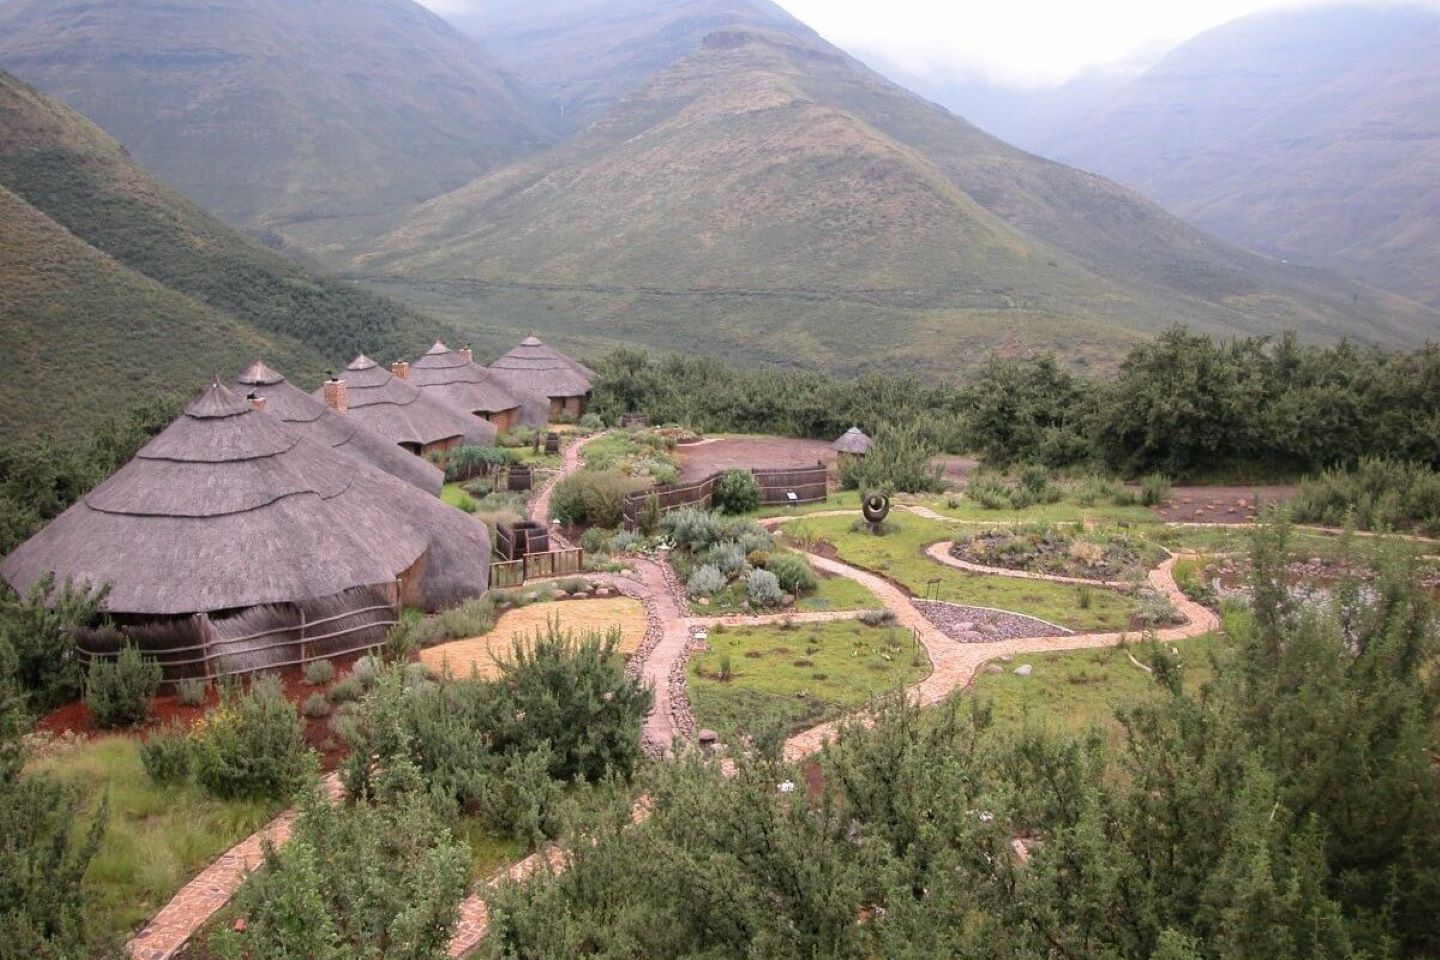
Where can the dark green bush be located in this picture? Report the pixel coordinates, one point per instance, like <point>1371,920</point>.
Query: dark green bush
<point>1154,490</point>
<point>252,745</point>
<point>1378,494</point>
<point>118,692</point>
<point>737,491</point>
<point>37,640</point>
<point>592,498</point>
<point>319,672</point>
<point>468,462</point>
<point>166,755</point>
<point>901,460</point>
<point>794,573</point>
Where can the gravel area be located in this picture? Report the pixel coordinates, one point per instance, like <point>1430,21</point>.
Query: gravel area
<point>982,625</point>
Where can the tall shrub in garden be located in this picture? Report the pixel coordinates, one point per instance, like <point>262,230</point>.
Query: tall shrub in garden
<point>737,491</point>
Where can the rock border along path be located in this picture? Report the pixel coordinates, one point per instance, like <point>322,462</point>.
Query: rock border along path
<point>663,657</point>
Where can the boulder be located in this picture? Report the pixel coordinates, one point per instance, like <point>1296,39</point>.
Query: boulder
<point>994,668</point>
<point>602,591</point>
<point>1024,670</point>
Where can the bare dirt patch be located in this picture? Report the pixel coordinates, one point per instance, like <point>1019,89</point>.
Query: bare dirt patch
<point>1222,504</point>
<point>579,616</point>
<point>698,461</point>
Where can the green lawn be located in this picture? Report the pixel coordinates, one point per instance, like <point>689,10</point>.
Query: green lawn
<point>157,839</point>
<point>960,507</point>
<point>1072,690</point>
<point>1303,543</point>
<point>900,555</point>
<point>799,677</point>
<point>838,500</point>
<point>456,496</point>
<point>488,852</point>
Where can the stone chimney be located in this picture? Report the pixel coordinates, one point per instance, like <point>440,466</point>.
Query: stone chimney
<point>401,370</point>
<point>257,401</point>
<point>466,354</point>
<point>337,395</point>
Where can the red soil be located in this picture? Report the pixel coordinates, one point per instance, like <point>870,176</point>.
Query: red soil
<point>1221,504</point>
<point>698,461</point>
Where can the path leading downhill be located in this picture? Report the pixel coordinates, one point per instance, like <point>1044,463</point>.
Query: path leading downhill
<point>569,463</point>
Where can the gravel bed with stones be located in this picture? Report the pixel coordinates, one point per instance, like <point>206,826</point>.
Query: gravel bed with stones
<point>982,625</point>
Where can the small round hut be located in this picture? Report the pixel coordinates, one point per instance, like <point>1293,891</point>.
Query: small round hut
<point>534,371</point>
<point>454,377</point>
<point>852,443</point>
<point>385,402</point>
<point>271,392</point>
<point>232,543</point>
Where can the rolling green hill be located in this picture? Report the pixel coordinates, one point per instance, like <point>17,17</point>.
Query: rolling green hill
<point>770,198</point>
<point>1311,134</point>
<point>300,119</point>
<point>114,285</point>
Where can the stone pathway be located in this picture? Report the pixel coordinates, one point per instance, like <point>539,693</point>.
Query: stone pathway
<point>202,897</point>
<point>570,462</point>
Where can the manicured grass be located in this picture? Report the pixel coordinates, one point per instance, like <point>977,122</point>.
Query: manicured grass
<point>960,507</point>
<point>1072,690</point>
<point>455,495</point>
<point>1303,543</point>
<point>489,852</point>
<point>799,677</point>
<point>900,555</point>
<point>157,839</point>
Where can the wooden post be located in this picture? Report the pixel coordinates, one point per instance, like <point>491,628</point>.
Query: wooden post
<point>202,621</point>
<point>303,653</point>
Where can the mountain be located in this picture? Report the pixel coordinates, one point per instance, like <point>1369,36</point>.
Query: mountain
<point>769,197</point>
<point>586,55</point>
<point>1310,134</point>
<point>300,119</point>
<point>114,286</point>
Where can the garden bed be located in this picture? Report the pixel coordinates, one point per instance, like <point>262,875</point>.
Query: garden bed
<point>1061,551</point>
<point>982,625</point>
<point>792,678</point>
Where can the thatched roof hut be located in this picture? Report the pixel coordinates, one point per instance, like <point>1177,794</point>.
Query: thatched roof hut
<point>536,369</point>
<point>401,413</point>
<point>229,510</point>
<point>852,442</point>
<point>454,377</point>
<point>314,420</point>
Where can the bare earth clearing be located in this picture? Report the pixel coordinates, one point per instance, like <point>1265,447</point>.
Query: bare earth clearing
<point>699,460</point>
<point>1222,504</point>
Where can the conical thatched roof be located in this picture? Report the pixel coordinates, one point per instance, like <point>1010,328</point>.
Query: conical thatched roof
<point>230,508</point>
<point>852,441</point>
<point>401,413</point>
<point>461,383</point>
<point>318,422</point>
<point>537,368</point>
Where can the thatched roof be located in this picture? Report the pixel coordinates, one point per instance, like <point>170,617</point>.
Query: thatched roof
<point>318,422</point>
<point>230,508</point>
<point>536,368</point>
<point>448,375</point>
<point>401,413</point>
<point>852,441</point>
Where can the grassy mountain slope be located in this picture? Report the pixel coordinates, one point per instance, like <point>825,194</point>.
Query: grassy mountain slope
<point>134,286</point>
<point>586,55</point>
<point>298,118</point>
<point>85,337</point>
<point>806,209</point>
<point>1311,134</point>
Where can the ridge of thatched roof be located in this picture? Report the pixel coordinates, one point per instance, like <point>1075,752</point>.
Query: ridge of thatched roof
<point>538,368</point>
<point>853,441</point>
<point>318,422</point>
<point>462,383</point>
<point>402,413</point>
<point>230,508</point>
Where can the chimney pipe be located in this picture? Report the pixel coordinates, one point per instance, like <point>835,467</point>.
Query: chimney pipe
<point>256,401</point>
<point>337,395</point>
<point>466,354</point>
<point>401,370</point>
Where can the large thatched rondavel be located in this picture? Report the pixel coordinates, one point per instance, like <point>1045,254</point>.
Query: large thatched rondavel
<point>231,543</point>
<point>399,411</point>
<point>454,377</point>
<point>550,383</point>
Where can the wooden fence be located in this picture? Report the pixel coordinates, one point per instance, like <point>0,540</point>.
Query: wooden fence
<point>505,574</point>
<point>781,486</point>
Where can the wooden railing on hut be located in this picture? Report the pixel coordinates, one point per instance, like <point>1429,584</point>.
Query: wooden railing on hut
<point>793,486</point>
<point>505,574</point>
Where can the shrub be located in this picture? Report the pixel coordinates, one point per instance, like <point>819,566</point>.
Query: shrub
<point>900,460</point>
<point>763,588</point>
<point>877,618</point>
<point>622,542</point>
<point>191,691</point>
<point>593,498</point>
<point>473,618</point>
<point>118,692</point>
<point>315,706</point>
<point>469,462</point>
<point>749,535</point>
<point>37,636</point>
<point>706,581</point>
<point>1154,609</point>
<point>166,755</point>
<point>346,690</point>
<point>988,490</point>
<point>319,672</point>
<point>728,558</point>
<point>596,539</point>
<point>793,573</point>
<point>1377,494</point>
<point>592,422</point>
<point>366,670</point>
<point>252,746</point>
<point>1154,490</point>
<point>693,529</point>
<point>758,558</point>
<point>737,491</point>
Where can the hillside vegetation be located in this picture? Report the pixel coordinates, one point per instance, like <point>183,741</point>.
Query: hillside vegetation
<point>115,285</point>
<point>769,197</point>
<point>293,118</point>
<point>1308,133</point>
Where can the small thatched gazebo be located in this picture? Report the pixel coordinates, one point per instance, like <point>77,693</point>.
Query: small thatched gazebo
<point>233,543</point>
<point>388,404</point>
<point>534,370</point>
<point>454,377</point>
<point>852,443</point>
<point>313,419</point>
